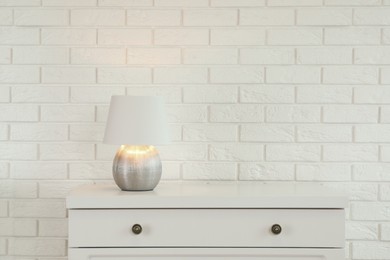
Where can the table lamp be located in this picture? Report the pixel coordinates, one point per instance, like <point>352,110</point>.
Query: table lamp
<point>136,123</point>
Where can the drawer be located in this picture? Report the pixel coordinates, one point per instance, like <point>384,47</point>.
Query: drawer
<point>322,228</point>
<point>205,254</point>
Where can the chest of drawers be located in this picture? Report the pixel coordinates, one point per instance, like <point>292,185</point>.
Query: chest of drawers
<point>228,220</point>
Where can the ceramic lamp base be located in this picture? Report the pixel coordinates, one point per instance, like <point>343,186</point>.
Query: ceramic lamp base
<point>137,168</point>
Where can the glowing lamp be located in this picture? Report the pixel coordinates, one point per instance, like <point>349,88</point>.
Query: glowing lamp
<point>136,123</point>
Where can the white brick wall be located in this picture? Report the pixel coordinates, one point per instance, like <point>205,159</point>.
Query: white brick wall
<point>267,90</point>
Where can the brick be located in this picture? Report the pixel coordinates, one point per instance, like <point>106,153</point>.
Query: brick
<point>350,114</point>
<point>98,17</point>
<point>242,74</point>
<point>147,56</point>
<point>94,94</point>
<point>372,16</point>
<point>293,152</point>
<point>267,94</point>
<point>37,94</point>
<point>98,56</point>
<point>184,152</point>
<point>170,94</point>
<point>124,36</point>
<point>267,56</point>
<point>385,231</point>
<point>18,113</point>
<point>361,231</point>
<point>3,246</point>
<point>53,228</point>
<point>121,3</point>
<point>181,37</point>
<point>236,113</point>
<point>210,94</point>
<point>209,132</point>
<point>18,35</point>
<point>5,55</point>
<point>20,2</point>
<point>236,152</point>
<point>374,211</point>
<point>267,133</point>
<point>68,36</point>
<point>324,55</point>
<point>39,132</point>
<point>67,151</point>
<point>58,189</point>
<point>350,153</point>
<point>223,36</point>
<point>295,3</point>
<point>18,189</point>
<point>352,36</point>
<point>41,17</point>
<point>372,133</point>
<point>67,113</point>
<point>253,16</point>
<point>3,132</point>
<point>286,113</point>
<point>186,113</point>
<point>90,170</point>
<point>352,2</point>
<point>385,114</point>
<point>70,3</point>
<point>66,75</point>
<point>266,171</point>
<point>143,17</point>
<point>324,94</point>
<point>371,172</point>
<point>350,75</point>
<point>37,247</point>
<point>324,133</point>
<point>184,75</point>
<point>385,153</point>
<point>237,3</point>
<point>19,74</point>
<point>372,95</point>
<point>38,170</point>
<point>3,208</point>
<point>325,16</point>
<point>175,132</point>
<point>323,172</point>
<point>18,227</point>
<point>293,75</point>
<point>37,208</point>
<point>102,113</point>
<point>105,152</point>
<point>385,76</point>
<point>40,55</point>
<point>372,55</point>
<point>181,3</point>
<point>211,17</point>
<point>4,95</point>
<point>86,132</point>
<point>356,191</point>
<point>386,36</point>
<point>123,75</point>
<point>6,17</point>
<point>210,56</point>
<point>209,171</point>
<point>4,170</point>
<point>18,151</point>
<point>298,36</point>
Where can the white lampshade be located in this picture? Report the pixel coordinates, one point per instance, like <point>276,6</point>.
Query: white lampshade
<point>136,120</point>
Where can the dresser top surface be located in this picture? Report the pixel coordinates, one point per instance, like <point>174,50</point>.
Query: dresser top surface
<point>209,195</point>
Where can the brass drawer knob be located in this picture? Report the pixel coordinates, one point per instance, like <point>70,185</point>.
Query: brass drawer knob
<point>137,229</point>
<point>276,229</point>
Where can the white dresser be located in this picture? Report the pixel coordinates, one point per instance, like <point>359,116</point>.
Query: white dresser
<point>216,221</point>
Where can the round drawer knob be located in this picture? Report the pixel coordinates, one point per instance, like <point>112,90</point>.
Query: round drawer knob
<point>276,229</point>
<point>137,229</point>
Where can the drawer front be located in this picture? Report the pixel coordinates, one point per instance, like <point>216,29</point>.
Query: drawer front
<point>206,228</point>
<point>205,254</point>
